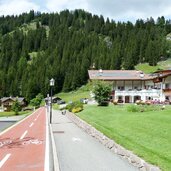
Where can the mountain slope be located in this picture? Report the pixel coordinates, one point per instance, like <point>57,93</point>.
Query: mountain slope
<point>36,47</point>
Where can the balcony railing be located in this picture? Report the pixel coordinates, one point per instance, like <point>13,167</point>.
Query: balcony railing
<point>150,92</point>
<point>167,90</point>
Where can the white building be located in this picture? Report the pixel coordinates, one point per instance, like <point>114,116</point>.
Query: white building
<point>130,85</point>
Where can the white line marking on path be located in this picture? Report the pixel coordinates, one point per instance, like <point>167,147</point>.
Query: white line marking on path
<point>31,124</point>
<point>23,135</point>
<point>4,160</point>
<point>76,139</point>
<point>46,163</point>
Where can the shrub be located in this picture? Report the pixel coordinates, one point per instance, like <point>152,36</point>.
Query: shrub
<point>70,106</point>
<point>104,103</point>
<point>77,106</point>
<point>133,108</point>
<point>148,108</point>
<point>37,100</point>
<point>115,102</point>
<point>138,102</point>
<point>148,102</point>
<point>16,107</point>
<point>55,106</point>
<point>101,92</point>
<point>142,102</point>
<point>143,108</point>
<point>77,109</point>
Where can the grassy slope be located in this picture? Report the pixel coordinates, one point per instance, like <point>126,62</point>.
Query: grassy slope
<point>2,114</point>
<point>149,69</point>
<point>83,92</point>
<point>73,96</point>
<point>146,134</point>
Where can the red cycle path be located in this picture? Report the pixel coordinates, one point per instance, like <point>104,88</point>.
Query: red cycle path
<point>22,148</point>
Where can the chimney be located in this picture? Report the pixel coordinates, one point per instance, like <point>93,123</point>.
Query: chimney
<point>100,72</point>
<point>141,74</point>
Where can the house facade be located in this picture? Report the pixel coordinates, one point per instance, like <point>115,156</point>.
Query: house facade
<point>54,100</point>
<point>7,102</point>
<point>128,86</point>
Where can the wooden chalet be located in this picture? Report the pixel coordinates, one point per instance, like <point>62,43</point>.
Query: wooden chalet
<point>7,102</point>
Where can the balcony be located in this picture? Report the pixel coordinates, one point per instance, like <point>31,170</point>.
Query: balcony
<point>150,92</point>
<point>167,90</point>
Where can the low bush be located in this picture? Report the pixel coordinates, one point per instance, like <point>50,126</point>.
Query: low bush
<point>77,106</point>
<point>140,102</point>
<point>148,108</point>
<point>76,110</point>
<point>55,106</point>
<point>133,108</point>
<point>115,102</point>
<point>104,103</point>
<point>143,108</point>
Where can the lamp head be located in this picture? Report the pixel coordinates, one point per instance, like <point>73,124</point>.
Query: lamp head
<point>52,82</point>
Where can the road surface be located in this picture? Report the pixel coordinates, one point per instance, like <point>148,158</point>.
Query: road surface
<point>4,125</point>
<point>22,148</point>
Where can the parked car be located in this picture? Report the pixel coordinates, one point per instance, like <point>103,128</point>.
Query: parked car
<point>59,102</point>
<point>84,100</point>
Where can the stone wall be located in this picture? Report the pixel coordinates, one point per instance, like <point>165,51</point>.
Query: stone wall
<point>112,145</point>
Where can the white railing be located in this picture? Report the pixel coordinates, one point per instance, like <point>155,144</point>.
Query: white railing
<point>151,92</point>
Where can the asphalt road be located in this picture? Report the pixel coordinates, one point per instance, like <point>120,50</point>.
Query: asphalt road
<point>23,146</point>
<point>77,151</point>
<point>4,125</point>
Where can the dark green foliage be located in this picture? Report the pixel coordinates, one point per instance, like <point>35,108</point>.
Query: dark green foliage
<point>66,44</point>
<point>16,107</point>
<point>101,92</point>
<point>37,100</point>
<point>74,105</point>
<point>143,108</point>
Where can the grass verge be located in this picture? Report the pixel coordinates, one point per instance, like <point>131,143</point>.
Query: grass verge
<point>147,134</point>
<point>3,114</point>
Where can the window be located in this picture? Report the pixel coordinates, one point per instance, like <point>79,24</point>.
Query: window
<point>121,88</point>
<point>167,97</point>
<point>167,86</point>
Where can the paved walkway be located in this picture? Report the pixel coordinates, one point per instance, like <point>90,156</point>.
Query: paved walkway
<point>12,118</point>
<point>78,151</point>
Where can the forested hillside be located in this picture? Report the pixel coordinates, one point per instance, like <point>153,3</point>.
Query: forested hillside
<point>35,47</point>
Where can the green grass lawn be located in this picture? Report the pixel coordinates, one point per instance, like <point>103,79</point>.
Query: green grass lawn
<point>147,134</point>
<point>3,114</point>
<point>73,96</point>
<point>83,92</point>
<point>146,68</point>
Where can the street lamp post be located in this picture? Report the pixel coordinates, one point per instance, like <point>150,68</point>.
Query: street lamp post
<point>52,83</point>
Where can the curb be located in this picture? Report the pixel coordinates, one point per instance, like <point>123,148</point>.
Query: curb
<point>55,156</point>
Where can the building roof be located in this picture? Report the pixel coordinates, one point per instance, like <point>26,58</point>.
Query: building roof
<point>20,99</point>
<point>163,71</point>
<point>118,75</point>
<point>53,98</point>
